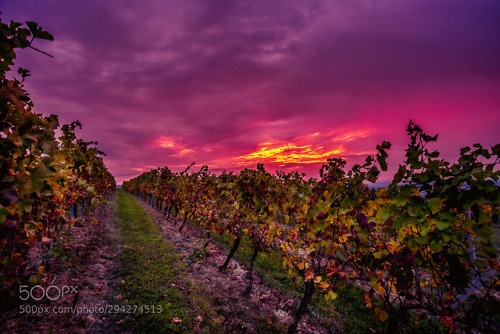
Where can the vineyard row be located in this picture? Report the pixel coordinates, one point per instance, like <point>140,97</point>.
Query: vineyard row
<point>43,178</point>
<point>417,244</point>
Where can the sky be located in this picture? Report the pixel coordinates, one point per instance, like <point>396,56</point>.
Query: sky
<point>286,83</point>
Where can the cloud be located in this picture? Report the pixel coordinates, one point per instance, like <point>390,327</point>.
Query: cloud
<point>218,79</point>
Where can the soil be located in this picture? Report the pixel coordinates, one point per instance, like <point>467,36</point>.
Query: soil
<point>87,276</point>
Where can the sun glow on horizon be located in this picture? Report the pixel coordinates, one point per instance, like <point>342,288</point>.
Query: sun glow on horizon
<point>286,153</point>
<point>165,142</point>
<point>313,148</point>
<point>306,152</point>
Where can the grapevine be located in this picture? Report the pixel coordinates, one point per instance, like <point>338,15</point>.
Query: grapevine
<point>42,178</point>
<point>408,245</point>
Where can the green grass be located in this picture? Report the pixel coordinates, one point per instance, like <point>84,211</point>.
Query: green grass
<point>267,265</point>
<point>153,274</point>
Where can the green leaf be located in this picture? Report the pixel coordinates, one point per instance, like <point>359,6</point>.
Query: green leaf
<point>363,235</point>
<point>464,150</point>
<point>424,229</point>
<point>496,149</point>
<point>274,207</point>
<point>399,200</point>
<point>33,26</point>
<point>382,162</point>
<point>422,240</point>
<point>436,246</point>
<point>319,226</point>
<point>483,230</point>
<point>38,32</point>
<point>383,214</point>
<point>442,224</point>
<point>4,212</point>
<point>435,204</point>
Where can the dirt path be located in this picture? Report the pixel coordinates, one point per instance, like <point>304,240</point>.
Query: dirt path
<point>238,314</point>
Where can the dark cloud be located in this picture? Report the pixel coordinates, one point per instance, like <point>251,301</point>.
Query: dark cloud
<point>222,76</point>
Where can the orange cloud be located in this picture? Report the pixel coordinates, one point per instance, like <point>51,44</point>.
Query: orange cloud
<point>306,152</point>
<point>285,153</point>
<point>179,149</point>
<point>165,142</point>
<point>314,148</point>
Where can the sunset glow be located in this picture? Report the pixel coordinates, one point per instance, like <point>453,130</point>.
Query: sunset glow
<point>169,143</point>
<point>314,148</point>
<point>289,153</point>
<point>165,142</point>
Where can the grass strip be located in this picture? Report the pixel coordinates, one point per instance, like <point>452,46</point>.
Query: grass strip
<point>154,275</point>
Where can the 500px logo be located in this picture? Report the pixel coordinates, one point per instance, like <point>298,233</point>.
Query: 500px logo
<point>52,292</point>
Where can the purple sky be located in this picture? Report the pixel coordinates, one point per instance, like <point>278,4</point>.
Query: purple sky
<point>288,83</point>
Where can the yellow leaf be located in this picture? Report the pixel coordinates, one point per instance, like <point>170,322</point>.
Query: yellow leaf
<point>284,246</point>
<point>493,263</point>
<point>393,288</point>
<point>324,285</point>
<point>317,279</point>
<point>343,238</point>
<point>330,295</point>
<point>392,246</point>
<point>380,314</point>
<point>41,271</point>
<point>379,288</point>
